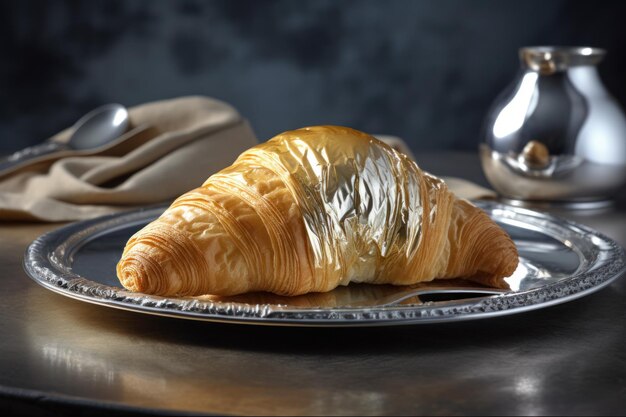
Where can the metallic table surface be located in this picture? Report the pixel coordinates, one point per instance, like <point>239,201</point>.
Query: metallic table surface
<point>58,352</point>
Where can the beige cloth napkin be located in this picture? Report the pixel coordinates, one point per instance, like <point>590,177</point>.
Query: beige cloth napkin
<point>171,146</point>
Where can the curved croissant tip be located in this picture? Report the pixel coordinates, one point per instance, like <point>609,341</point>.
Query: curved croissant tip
<point>132,275</point>
<point>162,265</point>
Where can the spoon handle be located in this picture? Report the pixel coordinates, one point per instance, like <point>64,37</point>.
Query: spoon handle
<point>30,153</point>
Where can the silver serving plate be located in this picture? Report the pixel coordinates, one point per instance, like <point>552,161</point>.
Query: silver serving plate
<point>559,261</point>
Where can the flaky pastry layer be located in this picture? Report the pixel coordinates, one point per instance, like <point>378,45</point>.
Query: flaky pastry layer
<point>309,210</point>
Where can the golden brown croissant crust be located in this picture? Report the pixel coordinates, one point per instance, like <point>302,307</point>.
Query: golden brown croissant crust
<point>309,210</point>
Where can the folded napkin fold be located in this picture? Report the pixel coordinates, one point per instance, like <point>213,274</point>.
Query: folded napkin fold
<point>171,147</point>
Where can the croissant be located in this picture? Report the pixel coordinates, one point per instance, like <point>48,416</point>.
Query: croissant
<point>309,210</point>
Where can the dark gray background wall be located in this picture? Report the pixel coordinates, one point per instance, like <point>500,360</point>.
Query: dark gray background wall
<point>423,70</point>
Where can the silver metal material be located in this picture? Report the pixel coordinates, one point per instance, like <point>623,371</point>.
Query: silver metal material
<point>588,206</point>
<point>99,127</point>
<point>575,128</point>
<point>95,129</point>
<point>550,59</point>
<point>559,261</point>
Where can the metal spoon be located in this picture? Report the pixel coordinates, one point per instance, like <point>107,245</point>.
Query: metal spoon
<point>95,129</point>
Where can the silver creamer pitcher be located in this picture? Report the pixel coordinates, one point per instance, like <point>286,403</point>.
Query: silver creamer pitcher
<point>556,135</point>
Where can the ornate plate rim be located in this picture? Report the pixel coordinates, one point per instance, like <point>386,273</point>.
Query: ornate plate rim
<point>43,262</point>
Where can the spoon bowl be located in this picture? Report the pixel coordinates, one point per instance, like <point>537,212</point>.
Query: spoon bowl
<point>99,127</point>
<point>94,130</point>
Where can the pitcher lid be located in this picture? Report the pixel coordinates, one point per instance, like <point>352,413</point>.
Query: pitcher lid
<point>551,59</point>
